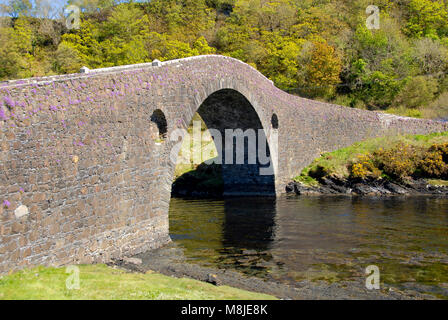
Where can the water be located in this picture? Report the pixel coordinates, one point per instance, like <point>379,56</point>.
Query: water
<point>331,239</point>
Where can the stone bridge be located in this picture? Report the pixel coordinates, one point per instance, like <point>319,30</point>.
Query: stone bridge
<point>85,161</point>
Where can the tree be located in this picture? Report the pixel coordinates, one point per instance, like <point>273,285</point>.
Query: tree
<point>9,55</point>
<point>67,59</point>
<point>322,73</point>
<point>90,6</point>
<point>417,92</point>
<point>305,46</point>
<point>125,22</point>
<point>278,59</point>
<point>426,18</point>
<point>83,42</point>
<point>183,20</point>
<point>16,8</point>
<point>431,56</point>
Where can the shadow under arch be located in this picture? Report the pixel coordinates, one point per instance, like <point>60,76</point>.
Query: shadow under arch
<point>240,139</point>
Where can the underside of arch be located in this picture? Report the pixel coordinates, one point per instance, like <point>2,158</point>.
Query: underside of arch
<point>226,110</point>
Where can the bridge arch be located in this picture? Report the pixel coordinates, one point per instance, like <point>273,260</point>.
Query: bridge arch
<point>241,142</point>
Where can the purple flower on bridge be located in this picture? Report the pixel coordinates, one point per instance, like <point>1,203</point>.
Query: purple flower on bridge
<point>6,203</point>
<point>9,102</point>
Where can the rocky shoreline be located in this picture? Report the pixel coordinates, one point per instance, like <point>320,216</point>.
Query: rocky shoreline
<point>334,185</point>
<point>169,261</point>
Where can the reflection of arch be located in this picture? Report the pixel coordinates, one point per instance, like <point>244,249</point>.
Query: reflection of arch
<point>158,117</point>
<point>274,121</point>
<point>243,172</point>
<point>249,224</point>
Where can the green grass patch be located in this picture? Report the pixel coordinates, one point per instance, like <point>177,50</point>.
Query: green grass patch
<point>438,182</point>
<point>405,112</point>
<point>99,282</point>
<point>338,162</point>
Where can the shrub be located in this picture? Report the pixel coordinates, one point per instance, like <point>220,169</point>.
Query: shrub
<point>400,161</point>
<point>435,162</point>
<point>364,167</point>
<point>442,149</point>
<point>319,172</point>
<point>439,108</point>
<point>402,111</point>
<point>357,170</point>
<point>418,91</point>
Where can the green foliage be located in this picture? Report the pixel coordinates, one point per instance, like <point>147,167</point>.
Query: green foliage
<point>438,108</point>
<point>405,112</point>
<point>395,157</point>
<point>306,179</point>
<point>426,18</point>
<point>417,92</point>
<point>10,59</point>
<point>317,49</point>
<point>431,56</point>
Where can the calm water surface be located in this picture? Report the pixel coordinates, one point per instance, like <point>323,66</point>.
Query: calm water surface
<point>319,238</point>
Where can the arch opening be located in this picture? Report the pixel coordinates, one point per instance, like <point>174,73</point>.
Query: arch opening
<point>159,119</point>
<point>242,160</point>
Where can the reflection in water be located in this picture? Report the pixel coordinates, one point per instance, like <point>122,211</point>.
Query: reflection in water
<point>318,238</point>
<point>249,223</point>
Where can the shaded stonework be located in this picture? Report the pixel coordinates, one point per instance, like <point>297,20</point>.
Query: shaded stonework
<point>86,174</point>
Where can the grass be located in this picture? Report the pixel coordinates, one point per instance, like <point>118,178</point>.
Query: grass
<point>406,112</point>
<point>437,182</point>
<point>99,282</point>
<point>337,162</point>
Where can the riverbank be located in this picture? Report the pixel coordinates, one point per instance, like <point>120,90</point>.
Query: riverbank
<point>169,261</point>
<point>400,165</point>
<point>335,185</point>
<point>100,282</point>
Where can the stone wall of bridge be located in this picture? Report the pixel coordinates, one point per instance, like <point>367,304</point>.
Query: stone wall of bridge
<point>85,175</point>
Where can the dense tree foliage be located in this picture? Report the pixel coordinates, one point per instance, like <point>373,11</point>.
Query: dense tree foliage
<point>319,49</point>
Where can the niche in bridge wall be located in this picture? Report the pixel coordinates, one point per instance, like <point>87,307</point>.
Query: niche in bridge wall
<point>274,122</point>
<point>160,127</point>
